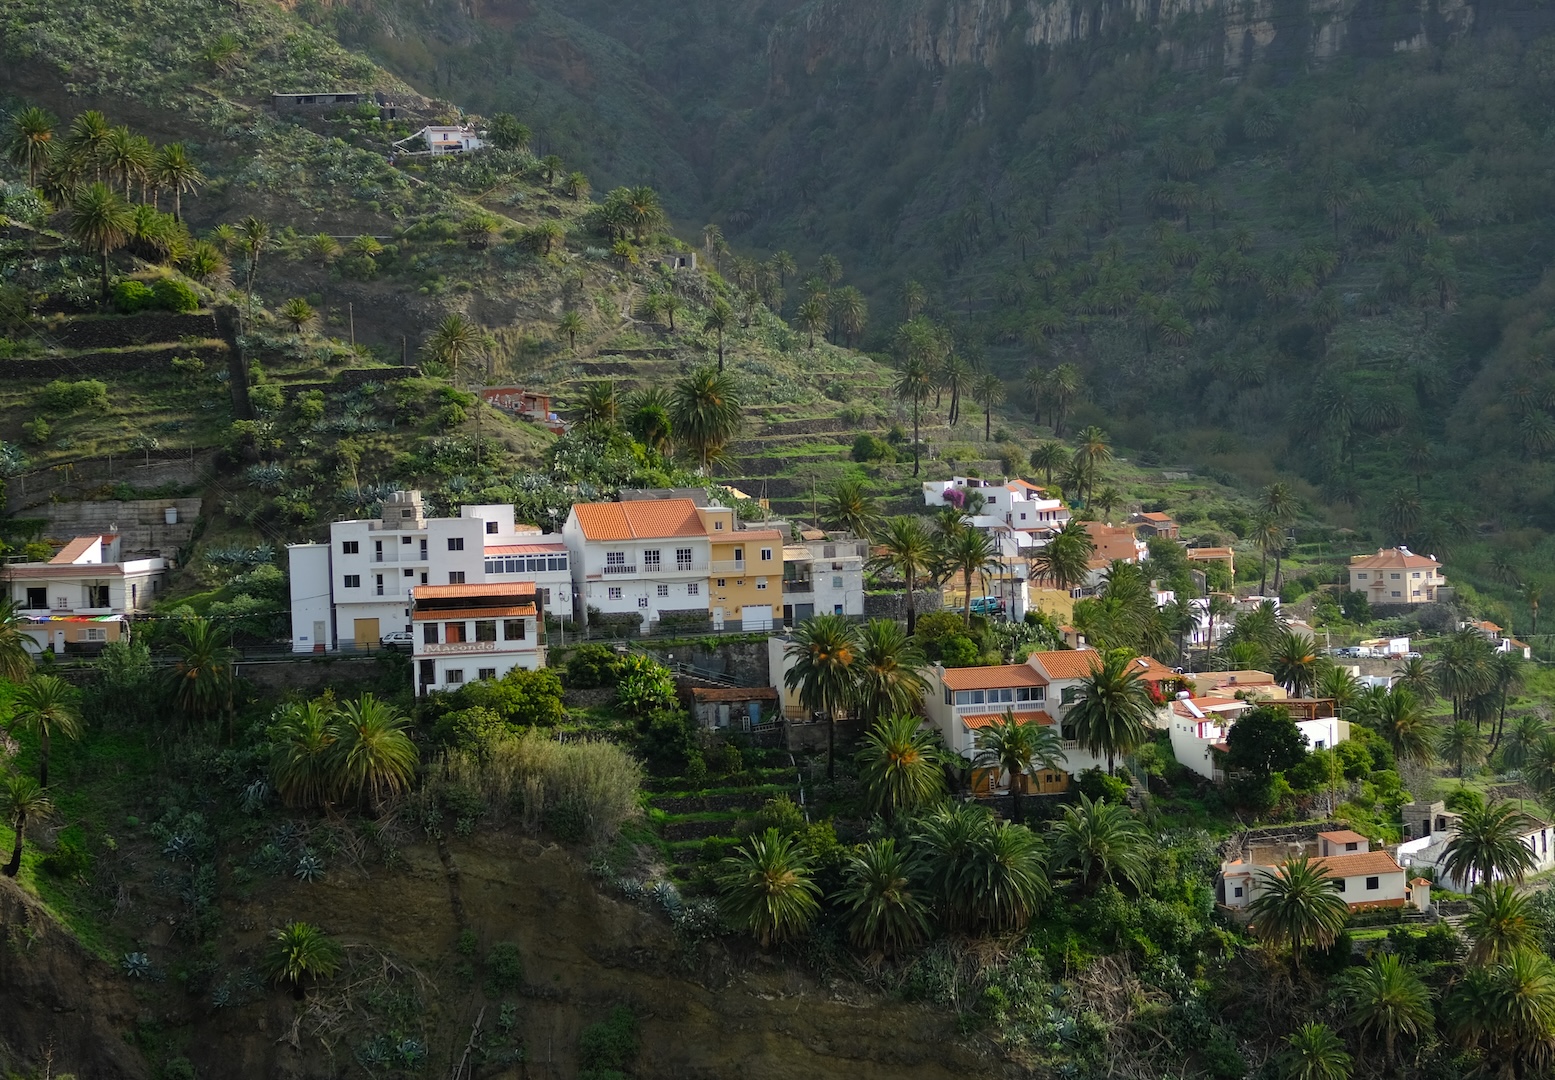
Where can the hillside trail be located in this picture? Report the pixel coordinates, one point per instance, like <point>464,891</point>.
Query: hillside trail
<point>583,953</point>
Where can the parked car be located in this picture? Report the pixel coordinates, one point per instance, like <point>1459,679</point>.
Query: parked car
<point>987,605</point>
<point>397,639</point>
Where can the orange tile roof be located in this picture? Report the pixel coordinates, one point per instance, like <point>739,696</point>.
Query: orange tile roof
<point>441,614</point>
<point>557,548</point>
<point>455,592</point>
<point>74,550</point>
<point>725,693</point>
<point>1156,516</point>
<point>1067,663</point>
<point>1357,864</point>
<point>980,678</point>
<point>1344,836</point>
<point>981,720</point>
<point>757,534</point>
<point>1392,559</point>
<point>645,520</point>
<point>1209,553</point>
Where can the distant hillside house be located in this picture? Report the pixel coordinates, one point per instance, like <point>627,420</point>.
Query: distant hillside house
<point>80,600</point>
<point>1396,576</point>
<point>1154,524</point>
<point>442,140</point>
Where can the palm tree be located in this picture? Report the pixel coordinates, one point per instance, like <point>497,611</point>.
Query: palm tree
<point>1386,1000</point>
<point>299,953</point>
<point>954,377</point>
<point>46,704</point>
<point>885,914</point>
<point>576,185</point>
<point>852,506</point>
<point>1112,708</point>
<point>1508,1011</point>
<point>1462,669</point>
<point>1216,605</point>
<point>1005,877</point>
<point>706,414</point>
<point>253,237</point>
<point>899,765</point>
<point>1525,744</point>
<point>1506,676</point>
<point>127,158</point>
<point>1102,843</point>
<point>766,888</point>
<point>1017,748</point>
<point>643,210</point>
<point>15,661</point>
<point>1065,560</point>
<point>1092,450</point>
<point>851,311</point>
<point>1500,922</point>
<point>914,383</point>
<point>600,409</point>
<point>1460,744</point>
<point>1299,905</point>
<point>299,313</point>
<point>812,316</point>
<point>888,670</point>
<point>907,550</point>
<point>948,836</point>
<point>100,222</point>
<point>455,338</point>
<point>1402,722</point>
<point>31,144</point>
<point>1297,662</point>
<point>1488,845</point>
<point>1063,386</point>
<point>175,171</point>
<point>1050,457</point>
<point>719,318</point>
<point>1340,686</point>
<point>88,132</point>
<point>988,391</point>
<point>302,762</point>
<point>570,326</point>
<point>1269,535</point>
<point>22,799</point>
<point>1314,1052</point>
<point>648,418</point>
<point>373,756</point>
<point>968,552</point>
<point>824,650</point>
<point>201,675</point>
<point>1414,676</point>
<point>912,300</point>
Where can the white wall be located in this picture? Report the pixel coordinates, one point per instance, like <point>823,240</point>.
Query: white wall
<point>310,595</point>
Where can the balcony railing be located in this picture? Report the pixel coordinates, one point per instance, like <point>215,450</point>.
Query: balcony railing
<point>620,569</point>
<point>741,566</point>
<point>650,569</point>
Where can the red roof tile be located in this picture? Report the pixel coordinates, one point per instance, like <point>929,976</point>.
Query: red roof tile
<point>978,721</point>
<point>453,592</point>
<point>981,678</point>
<point>455,614</point>
<point>1392,559</point>
<point>648,519</point>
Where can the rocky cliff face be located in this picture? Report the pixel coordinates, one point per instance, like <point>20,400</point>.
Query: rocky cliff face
<point>1232,33</point>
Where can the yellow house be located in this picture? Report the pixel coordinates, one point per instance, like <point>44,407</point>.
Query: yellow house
<point>745,576</point>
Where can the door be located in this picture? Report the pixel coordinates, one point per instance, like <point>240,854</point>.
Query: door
<point>365,633</point>
<point>756,617</point>
<point>718,618</point>
<point>320,636</point>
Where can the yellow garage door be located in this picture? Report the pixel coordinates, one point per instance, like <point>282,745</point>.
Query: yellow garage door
<point>366,633</point>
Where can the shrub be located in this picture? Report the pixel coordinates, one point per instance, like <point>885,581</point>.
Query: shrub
<point>470,729</point>
<point>867,447</point>
<point>645,685</point>
<point>505,967</point>
<point>62,395</point>
<point>449,416</point>
<point>591,666</point>
<point>170,294</point>
<point>669,735</point>
<point>522,697</point>
<point>780,813</point>
<point>730,761</point>
<point>37,431</point>
<point>607,1048</point>
<point>535,776</point>
<point>267,398</point>
<point>130,296</point>
<point>1095,784</point>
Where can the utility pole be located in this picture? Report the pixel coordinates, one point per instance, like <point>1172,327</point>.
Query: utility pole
<point>351,318</point>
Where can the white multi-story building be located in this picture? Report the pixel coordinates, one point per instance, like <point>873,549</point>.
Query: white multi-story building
<point>356,589</point>
<point>823,577</point>
<point>79,600</point>
<point>1019,505</point>
<point>465,633</point>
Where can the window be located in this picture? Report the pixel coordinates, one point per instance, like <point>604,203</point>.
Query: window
<point>1237,891</point>
<point>486,672</point>
<point>682,558</point>
<point>513,630</point>
<point>423,547</point>
<point>761,584</point>
<point>454,676</point>
<point>353,581</point>
<point>614,592</point>
<point>836,582</point>
<point>766,554</point>
<point>456,543</point>
<point>456,577</point>
<point>721,582</point>
<point>1361,576</point>
<point>1352,846</point>
<point>718,526</point>
<point>96,633</point>
<point>37,599</point>
<point>378,584</point>
<point>406,539</point>
<point>1031,693</point>
<point>836,609</point>
<point>1339,884</point>
<point>651,559</point>
<point>694,589</point>
<point>455,633</point>
<point>429,633</point>
<point>491,528</point>
<point>410,573</point>
<point>350,547</point>
<point>739,554</point>
<point>1373,884</point>
<point>97,596</point>
<point>740,582</point>
<point>662,590</point>
<point>485,630</point>
<point>642,601</point>
<point>423,577</point>
<point>1393,577</point>
<point>377,551</point>
<point>1067,696</point>
<point>614,560</point>
<point>1396,592</point>
<point>1415,574</point>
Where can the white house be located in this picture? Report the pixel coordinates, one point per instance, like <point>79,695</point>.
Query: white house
<point>79,600</point>
<point>1428,851</point>
<point>1396,576</point>
<point>443,139</point>
<point>356,589</point>
<point>465,633</point>
<point>1499,639</point>
<point>1017,509</point>
<point>1365,878</point>
<point>823,577</point>
<point>1200,727</point>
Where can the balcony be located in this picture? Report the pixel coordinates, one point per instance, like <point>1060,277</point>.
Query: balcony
<point>620,569</point>
<point>730,566</point>
<point>798,585</point>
